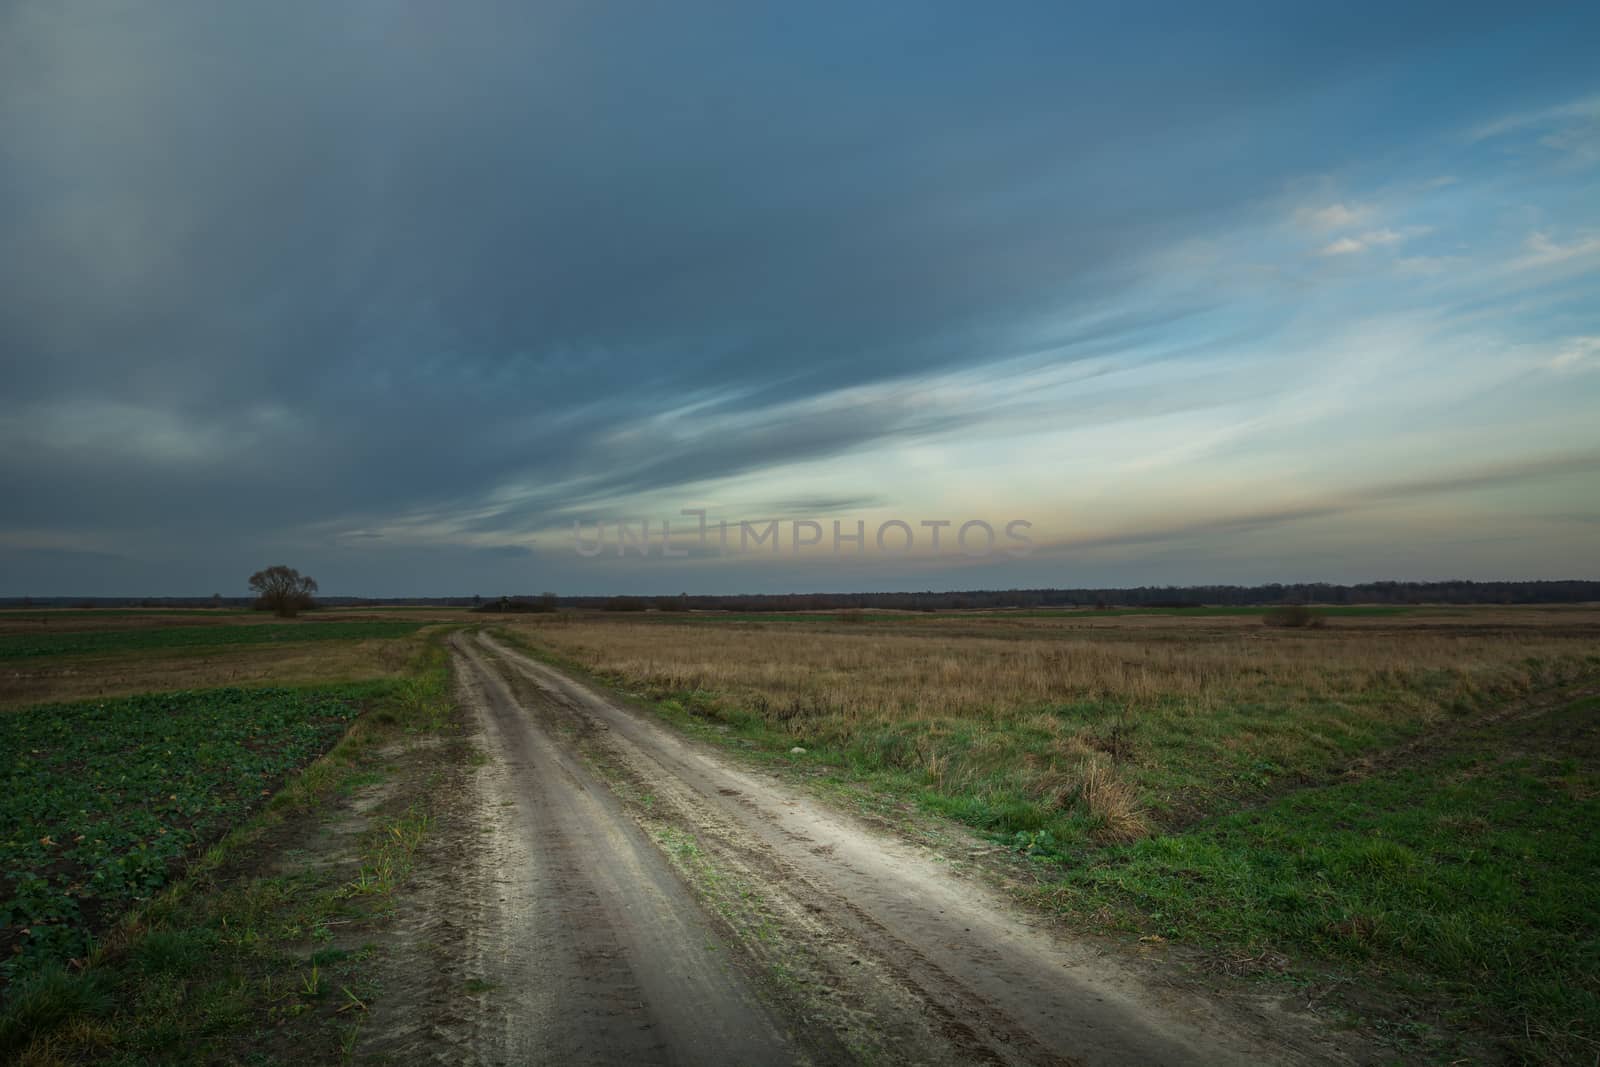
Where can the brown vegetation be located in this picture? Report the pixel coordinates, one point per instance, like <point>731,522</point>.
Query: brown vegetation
<point>42,680</point>
<point>1127,719</point>
<point>921,671</point>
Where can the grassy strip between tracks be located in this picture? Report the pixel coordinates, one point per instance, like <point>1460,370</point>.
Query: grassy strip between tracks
<point>1451,885</point>
<point>136,946</point>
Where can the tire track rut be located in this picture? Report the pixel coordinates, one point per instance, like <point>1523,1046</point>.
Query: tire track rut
<point>603,955</point>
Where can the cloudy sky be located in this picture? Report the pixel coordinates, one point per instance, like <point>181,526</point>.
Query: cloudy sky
<point>397,293</point>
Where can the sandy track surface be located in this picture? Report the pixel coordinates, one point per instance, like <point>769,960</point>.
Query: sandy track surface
<point>650,901</point>
<point>600,951</point>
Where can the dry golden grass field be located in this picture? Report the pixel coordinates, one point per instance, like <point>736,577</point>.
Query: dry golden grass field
<point>1173,708</point>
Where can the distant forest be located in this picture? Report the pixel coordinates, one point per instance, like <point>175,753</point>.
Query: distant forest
<point>1163,596</point>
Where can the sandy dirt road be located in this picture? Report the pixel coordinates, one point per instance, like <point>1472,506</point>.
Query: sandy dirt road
<point>640,898</point>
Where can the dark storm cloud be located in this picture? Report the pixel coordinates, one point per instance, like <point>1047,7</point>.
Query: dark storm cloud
<point>268,265</point>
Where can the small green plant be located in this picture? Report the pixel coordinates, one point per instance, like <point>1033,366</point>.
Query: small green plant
<point>1038,845</point>
<point>347,1041</point>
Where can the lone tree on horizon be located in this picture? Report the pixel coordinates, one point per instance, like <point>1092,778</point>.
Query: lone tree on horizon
<point>282,590</point>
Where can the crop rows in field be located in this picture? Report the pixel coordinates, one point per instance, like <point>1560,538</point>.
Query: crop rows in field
<point>25,645</point>
<point>99,800</point>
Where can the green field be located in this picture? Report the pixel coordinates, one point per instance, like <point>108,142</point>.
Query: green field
<point>155,638</point>
<point>101,799</point>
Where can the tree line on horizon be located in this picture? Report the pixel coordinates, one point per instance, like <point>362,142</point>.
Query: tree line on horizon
<point>1154,596</point>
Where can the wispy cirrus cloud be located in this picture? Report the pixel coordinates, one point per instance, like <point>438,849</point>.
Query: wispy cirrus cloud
<point>1578,353</point>
<point>1381,238</point>
<point>1540,249</point>
<point>1335,216</point>
<point>1582,111</point>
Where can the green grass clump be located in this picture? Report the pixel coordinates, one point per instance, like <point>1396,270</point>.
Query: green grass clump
<point>25,645</point>
<point>101,799</point>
